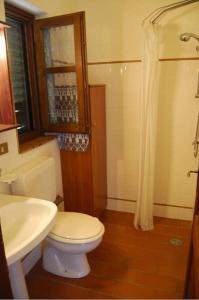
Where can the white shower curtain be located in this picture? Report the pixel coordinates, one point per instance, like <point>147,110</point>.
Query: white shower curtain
<point>149,103</point>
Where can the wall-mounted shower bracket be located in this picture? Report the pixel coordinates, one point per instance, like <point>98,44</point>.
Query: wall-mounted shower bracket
<point>197,93</point>
<point>190,172</point>
<point>196,139</point>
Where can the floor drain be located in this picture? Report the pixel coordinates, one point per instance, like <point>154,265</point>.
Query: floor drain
<point>176,242</point>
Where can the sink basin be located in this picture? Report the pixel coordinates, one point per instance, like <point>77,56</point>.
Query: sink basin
<point>25,223</point>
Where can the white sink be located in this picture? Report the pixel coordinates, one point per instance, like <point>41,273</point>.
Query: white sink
<point>25,223</point>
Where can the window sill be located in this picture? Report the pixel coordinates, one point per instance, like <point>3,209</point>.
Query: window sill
<point>35,143</point>
<point>4,127</point>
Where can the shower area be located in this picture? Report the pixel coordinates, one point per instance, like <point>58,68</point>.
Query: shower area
<point>166,114</point>
<point>177,137</point>
<point>177,114</point>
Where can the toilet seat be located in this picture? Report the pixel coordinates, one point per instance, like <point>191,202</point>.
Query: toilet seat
<point>76,228</point>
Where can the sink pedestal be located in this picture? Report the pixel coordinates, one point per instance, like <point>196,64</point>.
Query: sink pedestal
<point>17,281</point>
<point>25,223</point>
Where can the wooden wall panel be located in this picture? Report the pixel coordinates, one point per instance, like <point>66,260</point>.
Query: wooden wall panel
<point>6,106</point>
<point>98,147</point>
<point>195,262</point>
<point>76,177</point>
<point>84,173</point>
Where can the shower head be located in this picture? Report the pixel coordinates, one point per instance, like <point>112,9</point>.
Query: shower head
<point>185,37</point>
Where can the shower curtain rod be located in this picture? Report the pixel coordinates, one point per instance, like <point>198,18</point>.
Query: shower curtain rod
<point>161,10</point>
<point>158,10</point>
<point>180,4</point>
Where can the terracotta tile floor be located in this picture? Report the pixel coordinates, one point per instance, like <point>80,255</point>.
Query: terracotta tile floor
<point>128,264</point>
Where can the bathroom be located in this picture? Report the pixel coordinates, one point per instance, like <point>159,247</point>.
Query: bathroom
<point>115,40</point>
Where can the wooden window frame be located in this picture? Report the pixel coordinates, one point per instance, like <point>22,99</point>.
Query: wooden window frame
<point>7,116</point>
<point>80,67</point>
<point>27,20</point>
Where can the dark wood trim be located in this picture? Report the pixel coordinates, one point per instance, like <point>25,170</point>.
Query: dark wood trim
<point>35,143</point>
<point>6,105</point>
<point>17,13</point>
<point>65,69</point>
<point>195,263</point>
<point>81,71</point>
<point>58,20</point>
<point>4,25</point>
<point>5,288</point>
<point>27,19</point>
<point>191,288</point>
<point>41,73</point>
<point>189,278</point>
<point>28,136</point>
<point>33,90</point>
<point>77,19</point>
<point>86,89</point>
<point>196,206</point>
<point>77,184</point>
<point>4,127</point>
<point>98,148</point>
<point>84,173</point>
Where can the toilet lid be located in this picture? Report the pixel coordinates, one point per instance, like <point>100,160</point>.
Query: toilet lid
<point>75,226</point>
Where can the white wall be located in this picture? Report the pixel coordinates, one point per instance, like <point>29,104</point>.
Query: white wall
<point>2,16</point>
<point>114,32</point>
<point>13,159</point>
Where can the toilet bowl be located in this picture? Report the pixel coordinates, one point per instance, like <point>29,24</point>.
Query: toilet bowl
<point>73,235</point>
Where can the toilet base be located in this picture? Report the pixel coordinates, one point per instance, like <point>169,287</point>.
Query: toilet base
<point>64,264</point>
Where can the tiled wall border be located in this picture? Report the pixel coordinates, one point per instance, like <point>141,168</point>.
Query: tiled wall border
<point>160,210</point>
<point>160,204</point>
<point>139,60</point>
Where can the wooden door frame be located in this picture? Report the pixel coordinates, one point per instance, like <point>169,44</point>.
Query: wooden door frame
<point>188,288</point>
<point>5,288</point>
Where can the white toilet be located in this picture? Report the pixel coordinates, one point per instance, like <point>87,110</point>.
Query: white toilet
<point>73,235</point>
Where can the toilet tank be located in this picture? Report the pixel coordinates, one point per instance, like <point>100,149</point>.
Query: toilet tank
<point>36,179</point>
